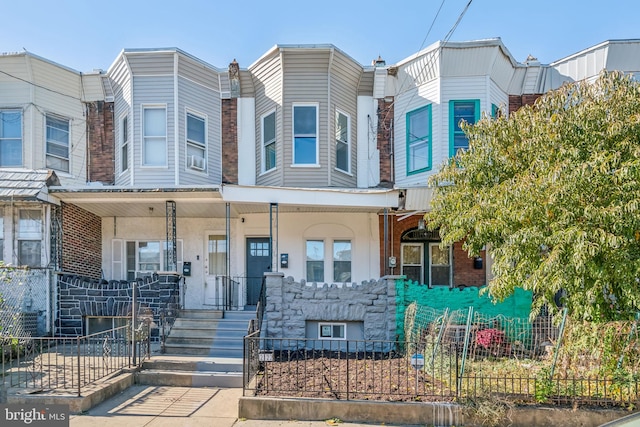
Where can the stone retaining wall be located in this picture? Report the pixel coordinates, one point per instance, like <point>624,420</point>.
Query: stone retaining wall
<point>291,304</point>
<point>79,297</point>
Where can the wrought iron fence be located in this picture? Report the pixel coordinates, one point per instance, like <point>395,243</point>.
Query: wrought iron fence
<point>430,369</point>
<point>349,369</point>
<point>45,363</point>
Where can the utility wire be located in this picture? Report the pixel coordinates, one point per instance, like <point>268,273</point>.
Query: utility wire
<point>40,86</point>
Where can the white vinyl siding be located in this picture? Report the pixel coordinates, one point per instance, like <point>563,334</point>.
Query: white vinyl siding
<point>267,78</point>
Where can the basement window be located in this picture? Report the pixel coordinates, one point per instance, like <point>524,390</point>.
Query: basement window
<point>332,331</point>
<point>98,324</point>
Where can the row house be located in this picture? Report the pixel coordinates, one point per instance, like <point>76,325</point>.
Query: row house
<point>305,162</point>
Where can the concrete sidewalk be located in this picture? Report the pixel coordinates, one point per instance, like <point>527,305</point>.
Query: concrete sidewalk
<point>159,406</point>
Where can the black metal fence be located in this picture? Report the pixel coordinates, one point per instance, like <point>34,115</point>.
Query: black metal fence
<point>348,370</point>
<point>45,363</point>
<point>428,370</point>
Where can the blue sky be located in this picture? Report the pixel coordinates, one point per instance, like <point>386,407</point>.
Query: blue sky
<point>85,34</point>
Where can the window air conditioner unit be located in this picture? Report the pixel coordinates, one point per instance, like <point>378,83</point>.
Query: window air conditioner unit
<point>196,162</point>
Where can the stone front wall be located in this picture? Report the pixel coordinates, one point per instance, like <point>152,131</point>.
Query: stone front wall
<point>79,297</point>
<point>290,305</point>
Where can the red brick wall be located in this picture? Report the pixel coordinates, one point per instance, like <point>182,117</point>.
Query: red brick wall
<point>81,242</point>
<point>518,101</point>
<point>230,141</point>
<point>385,141</point>
<point>100,142</point>
<point>463,271</point>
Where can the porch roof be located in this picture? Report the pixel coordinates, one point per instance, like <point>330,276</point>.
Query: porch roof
<point>26,184</point>
<point>210,201</point>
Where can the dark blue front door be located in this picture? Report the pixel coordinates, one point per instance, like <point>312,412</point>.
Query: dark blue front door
<point>258,262</point>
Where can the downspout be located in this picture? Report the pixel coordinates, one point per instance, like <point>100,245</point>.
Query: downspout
<point>176,151</point>
<point>329,118</point>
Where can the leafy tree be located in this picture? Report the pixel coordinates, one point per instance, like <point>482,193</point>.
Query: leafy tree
<point>554,192</point>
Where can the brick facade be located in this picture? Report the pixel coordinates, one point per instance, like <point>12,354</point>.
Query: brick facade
<point>464,271</point>
<point>385,141</point>
<point>518,101</point>
<point>81,242</point>
<point>230,141</point>
<point>101,142</point>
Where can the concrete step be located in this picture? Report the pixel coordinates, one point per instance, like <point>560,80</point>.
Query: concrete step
<point>240,315</point>
<point>189,379</point>
<point>205,341</point>
<point>200,350</point>
<point>211,324</point>
<point>192,364</point>
<point>207,333</point>
<point>200,314</point>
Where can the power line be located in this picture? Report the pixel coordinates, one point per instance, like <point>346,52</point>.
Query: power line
<point>40,86</point>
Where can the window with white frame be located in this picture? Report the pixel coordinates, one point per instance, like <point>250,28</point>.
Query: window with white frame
<point>30,237</point>
<point>332,331</point>
<point>57,143</point>
<point>459,111</point>
<point>196,142</point>
<point>10,138</point>
<point>342,261</point>
<point>419,139</point>
<point>343,145</point>
<point>124,143</point>
<point>305,134</point>
<point>315,261</point>
<point>154,136</point>
<point>269,141</point>
<point>148,256</point>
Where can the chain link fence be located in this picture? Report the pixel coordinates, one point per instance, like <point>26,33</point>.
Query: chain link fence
<point>26,302</point>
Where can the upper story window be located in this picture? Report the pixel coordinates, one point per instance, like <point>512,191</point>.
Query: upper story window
<point>10,138</point>
<point>196,142</point>
<point>343,143</point>
<point>305,134</point>
<point>269,141</point>
<point>419,139</point>
<point>124,143</point>
<point>154,136</point>
<point>469,111</point>
<point>58,143</point>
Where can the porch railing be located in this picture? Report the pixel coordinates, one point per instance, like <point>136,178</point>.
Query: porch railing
<point>58,363</point>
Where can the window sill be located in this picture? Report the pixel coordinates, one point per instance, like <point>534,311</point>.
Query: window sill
<point>306,165</point>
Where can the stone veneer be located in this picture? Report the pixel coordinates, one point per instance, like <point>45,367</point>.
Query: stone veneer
<point>79,297</point>
<point>289,305</point>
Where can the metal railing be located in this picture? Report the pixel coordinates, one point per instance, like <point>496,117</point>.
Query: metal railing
<point>428,370</point>
<point>348,370</point>
<point>46,363</point>
<point>256,324</point>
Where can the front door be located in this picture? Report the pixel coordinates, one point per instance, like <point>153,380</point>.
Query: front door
<point>258,262</point>
<point>215,267</point>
